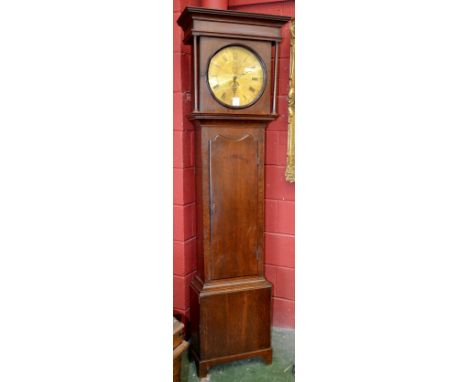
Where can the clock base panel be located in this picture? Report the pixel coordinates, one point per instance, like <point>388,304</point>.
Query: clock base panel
<point>230,322</point>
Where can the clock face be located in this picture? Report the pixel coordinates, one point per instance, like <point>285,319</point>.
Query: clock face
<point>236,76</point>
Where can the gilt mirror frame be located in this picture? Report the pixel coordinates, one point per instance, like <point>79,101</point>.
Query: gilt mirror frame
<point>290,162</point>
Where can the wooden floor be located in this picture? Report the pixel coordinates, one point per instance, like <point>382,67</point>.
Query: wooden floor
<point>252,370</point>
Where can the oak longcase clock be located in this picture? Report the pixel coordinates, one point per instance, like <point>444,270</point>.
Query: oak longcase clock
<point>235,60</point>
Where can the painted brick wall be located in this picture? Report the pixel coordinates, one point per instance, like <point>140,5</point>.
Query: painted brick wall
<point>183,170</point>
<point>279,195</point>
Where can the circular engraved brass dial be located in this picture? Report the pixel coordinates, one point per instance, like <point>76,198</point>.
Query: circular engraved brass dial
<point>236,76</point>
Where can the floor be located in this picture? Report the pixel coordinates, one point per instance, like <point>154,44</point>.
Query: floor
<point>251,370</point>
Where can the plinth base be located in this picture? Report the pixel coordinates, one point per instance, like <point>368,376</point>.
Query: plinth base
<point>231,321</point>
<point>204,366</point>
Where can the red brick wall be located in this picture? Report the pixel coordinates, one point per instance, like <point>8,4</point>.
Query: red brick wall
<point>279,195</point>
<point>183,169</point>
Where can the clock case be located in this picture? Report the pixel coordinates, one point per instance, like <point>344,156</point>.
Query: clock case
<point>230,299</point>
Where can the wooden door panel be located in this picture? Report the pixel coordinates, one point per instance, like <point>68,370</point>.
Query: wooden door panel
<point>239,322</point>
<point>233,163</point>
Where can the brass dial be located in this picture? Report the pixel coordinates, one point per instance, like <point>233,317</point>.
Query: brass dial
<point>236,76</point>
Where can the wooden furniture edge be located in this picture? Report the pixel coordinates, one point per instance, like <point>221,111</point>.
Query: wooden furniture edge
<point>180,349</point>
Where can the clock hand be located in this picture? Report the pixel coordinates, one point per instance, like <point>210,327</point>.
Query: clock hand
<point>235,85</point>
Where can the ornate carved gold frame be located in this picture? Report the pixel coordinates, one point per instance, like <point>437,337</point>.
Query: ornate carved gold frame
<point>290,163</point>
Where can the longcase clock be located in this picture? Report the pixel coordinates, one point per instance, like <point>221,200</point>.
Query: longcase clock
<point>235,60</point>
